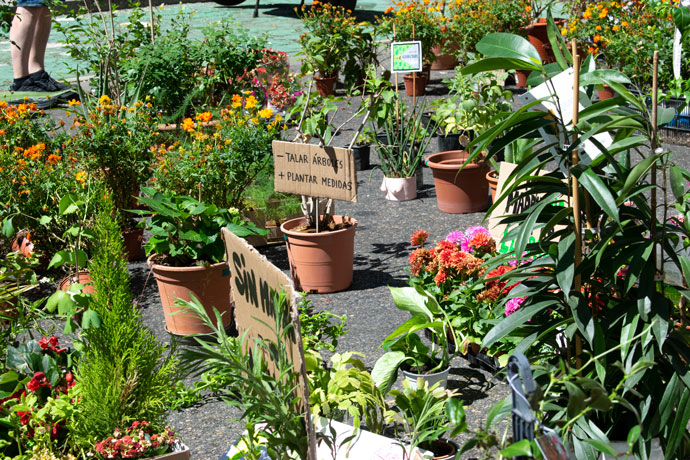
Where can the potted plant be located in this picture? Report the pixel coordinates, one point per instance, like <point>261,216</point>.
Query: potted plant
<point>221,155</point>
<point>404,348</point>
<point>362,149</point>
<point>326,43</point>
<point>425,414</point>
<point>186,254</point>
<point>362,53</point>
<point>402,138</point>
<point>268,210</point>
<point>413,21</point>
<point>114,141</point>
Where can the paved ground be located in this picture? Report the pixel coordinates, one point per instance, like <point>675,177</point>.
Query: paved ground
<point>276,19</point>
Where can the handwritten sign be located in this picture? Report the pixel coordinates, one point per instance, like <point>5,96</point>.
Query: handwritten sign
<point>406,56</point>
<point>305,169</point>
<point>254,282</point>
<point>517,202</point>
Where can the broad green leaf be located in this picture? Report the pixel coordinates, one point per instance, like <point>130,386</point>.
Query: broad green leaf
<point>603,76</point>
<point>677,183</point>
<point>511,46</point>
<point>518,449</point>
<point>385,370</point>
<point>680,423</point>
<point>489,64</point>
<point>681,19</point>
<point>411,325</point>
<point>59,259</point>
<point>602,446</point>
<point>7,227</point>
<point>409,299</point>
<point>45,220</point>
<point>90,318</point>
<point>633,178</point>
<point>68,204</point>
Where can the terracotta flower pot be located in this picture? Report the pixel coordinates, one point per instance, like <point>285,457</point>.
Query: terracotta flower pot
<point>134,240</point>
<point>210,285</point>
<point>444,60</point>
<point>492,177</point>
<point>83,277</point>
<point>521,78</point>
<point>539,38</point>
<point>606,92</point>
<point>400,188</point>
<point>326,85</point>
<point>320,262</point>
<point>415,84</point>
<point>459,191</point>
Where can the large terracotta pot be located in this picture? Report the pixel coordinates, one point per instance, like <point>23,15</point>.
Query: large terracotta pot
<point>606,92</point>
<point>400,188</point>
<point>326,85</point>
<point>320,262</point>
<point>539,38</point>
<point>211,285</point>
<point>459,191</point>
<point>415,84</point>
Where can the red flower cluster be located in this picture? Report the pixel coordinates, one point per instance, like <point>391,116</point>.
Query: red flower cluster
<point>496,288</point>
<point>482,242</point>
<point>419,238</point>
<point>38,381</point>
<point>51,344</point>
<point>446,261</point>
<point>137,441</point>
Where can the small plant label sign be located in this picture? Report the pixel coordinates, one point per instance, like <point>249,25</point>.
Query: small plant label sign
<point>305,169</point>
<point>406,56</point>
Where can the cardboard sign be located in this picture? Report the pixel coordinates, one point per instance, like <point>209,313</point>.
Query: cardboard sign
<point>305,169</point>
<point>406,56</point>
<point>514,204</point>
<point>559,91</point>
<point>254,281</point>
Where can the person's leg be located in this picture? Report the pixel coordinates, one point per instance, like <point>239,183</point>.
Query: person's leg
<point>40,39</point>
<point>21,38</point>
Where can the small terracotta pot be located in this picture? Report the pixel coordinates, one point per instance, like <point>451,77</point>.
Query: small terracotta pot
<point>134,240</point>
<point>83,277</point>
<point>415,84</point>
<point>210,285</point>
<point>326,85</point>
<point>400,188</point>
<point>606,92</point>
<point>320,262</point>
<point>521,78</point>
<point>492,177</point>
<point>459,191</point>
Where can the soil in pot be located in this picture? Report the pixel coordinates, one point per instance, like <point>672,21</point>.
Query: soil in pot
<point>321,262</point>
<point>443,449</point>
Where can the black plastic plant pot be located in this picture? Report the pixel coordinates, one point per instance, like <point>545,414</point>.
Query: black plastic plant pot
<point>449,142</point>
<point>361,154</point>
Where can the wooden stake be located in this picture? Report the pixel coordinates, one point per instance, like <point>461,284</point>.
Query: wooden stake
<point>655,145</point>
<point>577,221</point>
<point>397,95</point>
<point>414,79</point>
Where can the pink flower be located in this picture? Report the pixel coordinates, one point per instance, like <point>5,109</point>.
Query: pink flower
<point>456,237</point>
<point>513,305</point>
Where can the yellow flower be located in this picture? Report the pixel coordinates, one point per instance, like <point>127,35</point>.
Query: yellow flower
<point>266,113</point>
<point>615,28</point>
<point>204,116</point>
<point>250,103</point>
<point>104,100</point>
<point>188,124</point>
<point>603,13</point>
<point>73,102</point>
<point>624,23</point>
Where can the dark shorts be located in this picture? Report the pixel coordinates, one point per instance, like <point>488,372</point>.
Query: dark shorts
<point>31,3</point>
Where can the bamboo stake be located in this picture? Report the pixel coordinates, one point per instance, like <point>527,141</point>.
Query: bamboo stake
<point>655,145</point>
<point>397,95</point>
<point>414,79</point>
<point>577,222</point>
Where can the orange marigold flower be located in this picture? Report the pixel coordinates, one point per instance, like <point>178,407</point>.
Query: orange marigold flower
<point>204,117</point>
<point>597,38</point>
<point>625,24</point>
<point>73,102</point>
<point>81,177</point>
<point>603,13</point>
<point>587,14</point>
<point>53,159</point>
<point>388,10</point>
<point>188,124</point>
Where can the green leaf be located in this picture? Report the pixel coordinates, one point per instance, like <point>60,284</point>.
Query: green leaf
<point>681,19</point>
<point>489,64</point>
<point>565,267</point>
<point>90,318</point>
<point>68,204</point>
<point>519,449</point>
<point>604,76</point>
<point>385,370</point>
<point>510,323</point>
<point>677,183</point>
<point>456,416</point>
<point>409,299</point>
<point>601,194</point>
<point>55,299</point>
<point>511,46</point>
<point>59,259</point>
<point>602,446</point>
<point>634,435</point>
<point>633,178</point>
<point>45,220</point>
<point>8,227</point>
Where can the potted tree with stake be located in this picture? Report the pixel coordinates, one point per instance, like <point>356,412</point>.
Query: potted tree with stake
<point>186,254</point>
